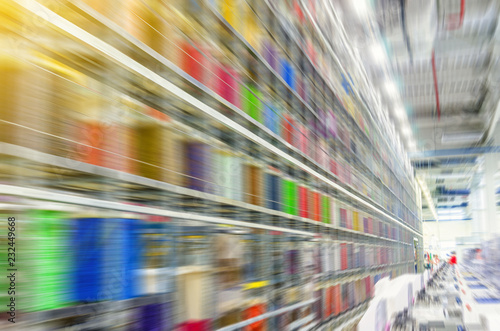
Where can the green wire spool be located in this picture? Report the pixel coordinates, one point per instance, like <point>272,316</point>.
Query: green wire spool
<point>290,197</point>
<point>325,200</point>
<point>47,261</point>
<point>251,103</point>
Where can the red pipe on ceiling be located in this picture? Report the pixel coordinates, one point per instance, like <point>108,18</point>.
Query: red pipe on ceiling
<point>461,17</point>
<point>462,13</point>
<point>436,89</point>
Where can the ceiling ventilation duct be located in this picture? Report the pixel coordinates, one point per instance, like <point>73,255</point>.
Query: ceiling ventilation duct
<point>409,26</point>
<point>491,103</point>
<point>421,26</point>
<point>494,72</point>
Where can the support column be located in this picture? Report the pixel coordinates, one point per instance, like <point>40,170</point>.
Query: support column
<point>477,205</point>
<point>489,196</point>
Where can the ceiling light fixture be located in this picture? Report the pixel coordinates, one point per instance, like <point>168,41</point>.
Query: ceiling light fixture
<point>453,218</point>
<point>391,89</point>
<point>360,8</point>
<point>458,211</point>
<point>461,137</point>
<point>400,112</point>
<point>412,145</point>
<point>406,131</point>
<point>378,53</point>
<point>425,191</point>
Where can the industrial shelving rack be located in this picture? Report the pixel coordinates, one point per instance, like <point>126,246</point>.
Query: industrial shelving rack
<point>144,77</point>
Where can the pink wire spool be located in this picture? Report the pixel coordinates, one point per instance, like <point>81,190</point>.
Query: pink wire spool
<point>226,84</point>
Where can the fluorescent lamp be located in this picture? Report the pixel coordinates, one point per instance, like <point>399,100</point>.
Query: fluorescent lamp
<point>430,203</point>
<point>452,218</point>
<point>378,53</point>
<point>451,212</point>
<point>451,176</point>
<point>360,8</point>
<point>400,112</point>
<point>406,131</point>
<point>391,88</point>
<point>461,137</point>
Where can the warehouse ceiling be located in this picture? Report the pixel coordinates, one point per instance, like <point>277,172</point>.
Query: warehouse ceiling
<point>439,82</point>
<point>452,99</point>
<point>444,55</point>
